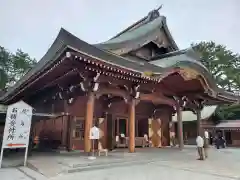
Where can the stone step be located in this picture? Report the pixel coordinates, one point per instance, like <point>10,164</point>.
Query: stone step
<point>107,165</point>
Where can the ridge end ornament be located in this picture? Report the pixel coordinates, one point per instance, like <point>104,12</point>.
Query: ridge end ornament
<point>68,54</point>
<point>147,74</point>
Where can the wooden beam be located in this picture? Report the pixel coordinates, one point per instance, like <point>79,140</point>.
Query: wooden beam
<point>113,91</point>
<point>157,99</point>
<point>108,79</point>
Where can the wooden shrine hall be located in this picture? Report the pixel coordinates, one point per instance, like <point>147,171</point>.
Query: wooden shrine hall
<point>131,84</point>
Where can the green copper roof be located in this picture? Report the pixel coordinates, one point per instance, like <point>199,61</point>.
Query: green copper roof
<point>206,112</point>
<point>144,32</point>
<point>184,58</point>
<point>138,32</point>
<point>175,58</point>
<point>66,41</point>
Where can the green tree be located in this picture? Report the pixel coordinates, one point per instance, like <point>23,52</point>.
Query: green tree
<point>228,112</point>
<point>13,66</point>
<point>4,57</point>
<point>224,65</point>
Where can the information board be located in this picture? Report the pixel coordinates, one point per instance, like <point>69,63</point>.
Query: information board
<point>94,133</point>
<point>17,127</point>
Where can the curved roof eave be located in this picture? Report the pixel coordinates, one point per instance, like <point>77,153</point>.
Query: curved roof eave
<point>185,59</point>
<point>169,36</point>
<point>50,56</point>
<point>66,40</point>
<point>188,58</point>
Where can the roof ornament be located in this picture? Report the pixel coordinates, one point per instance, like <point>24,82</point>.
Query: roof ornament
<point>154,13</point>
<point>160,7</point>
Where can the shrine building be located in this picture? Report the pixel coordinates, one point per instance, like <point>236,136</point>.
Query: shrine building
<point>132,85</point>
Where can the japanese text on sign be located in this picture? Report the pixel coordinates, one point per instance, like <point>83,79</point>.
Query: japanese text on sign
<point>17,125</point>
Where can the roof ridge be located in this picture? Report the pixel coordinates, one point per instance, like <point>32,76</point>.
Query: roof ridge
<point>153,14</point>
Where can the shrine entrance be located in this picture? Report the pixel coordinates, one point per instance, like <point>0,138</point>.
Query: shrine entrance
<point>121,132</point>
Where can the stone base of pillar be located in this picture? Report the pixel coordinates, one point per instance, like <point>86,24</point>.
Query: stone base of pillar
<point>62,148</point>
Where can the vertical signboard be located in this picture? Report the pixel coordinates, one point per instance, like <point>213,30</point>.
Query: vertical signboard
<point>17,128</point>
<point>93,135</point>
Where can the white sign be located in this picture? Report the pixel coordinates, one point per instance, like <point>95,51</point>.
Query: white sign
<point>94,133</point>
<point>17,127</point>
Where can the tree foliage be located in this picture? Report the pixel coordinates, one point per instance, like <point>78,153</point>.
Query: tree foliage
<point>224,65</point>
<point>13,66</point>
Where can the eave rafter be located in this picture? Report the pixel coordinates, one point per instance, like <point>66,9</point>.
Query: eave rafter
<point>111,69</point>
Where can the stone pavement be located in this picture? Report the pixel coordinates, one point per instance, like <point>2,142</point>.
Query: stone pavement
<point>222,164</point>
<point>12,174</point>
<point>143,172</point>
<point>165,163</point>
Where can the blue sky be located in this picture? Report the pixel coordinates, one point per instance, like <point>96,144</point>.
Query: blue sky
<point>32,25</point>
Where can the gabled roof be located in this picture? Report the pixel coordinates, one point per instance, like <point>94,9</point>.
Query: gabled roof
<point>229,125</point>
<point>144,31</point>
<point>206,112</point>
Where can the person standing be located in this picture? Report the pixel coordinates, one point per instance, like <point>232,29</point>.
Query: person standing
<point>206,143</point>
<point>172,139</point>
<point>200,144</point>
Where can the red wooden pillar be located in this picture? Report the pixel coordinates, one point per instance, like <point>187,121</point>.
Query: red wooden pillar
<point>131,121</point>
<point>88,121</point>
<point>180,128</point>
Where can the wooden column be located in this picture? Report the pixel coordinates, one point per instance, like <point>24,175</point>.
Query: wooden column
<point>180,128</point>
<point>66,130</point>
<point>199,129</point>
<point>69,136</point>
<point>136,127</point>
<point>63,145</point>
<point>88,121</point>
<point>127,127</point>
<point>117,130</point>
<point>131,121</point>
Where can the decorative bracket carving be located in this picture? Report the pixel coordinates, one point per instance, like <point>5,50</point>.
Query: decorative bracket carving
<point>135,93</point>
<point>89,84</point>
<point>181,102</point>
<point>70,101</point>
